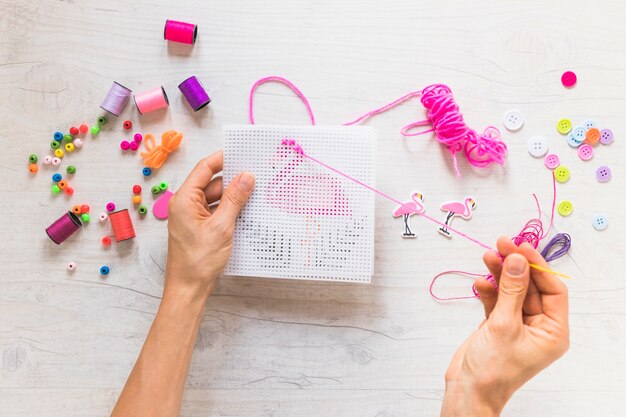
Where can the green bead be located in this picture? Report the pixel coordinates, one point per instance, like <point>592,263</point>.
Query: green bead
<point>163,186</point>
<point>71,169</point>
<point>102,120</point>
<point>55,189</point>
<point>156,189</point>
<point>95,130</point>
<point>55,145</point>
<point>68,138</point>
<point>33,159</point>
<point>142,210</point>
<point>85,217</point>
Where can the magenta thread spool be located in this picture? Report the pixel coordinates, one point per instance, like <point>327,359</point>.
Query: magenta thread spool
<point>151,100</point>
<point>116,99</point>
<point>194,92</point>
<point>63,227</point>
<point>180,32</point>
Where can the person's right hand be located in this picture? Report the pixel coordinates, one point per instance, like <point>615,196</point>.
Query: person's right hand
<point>525,330</point>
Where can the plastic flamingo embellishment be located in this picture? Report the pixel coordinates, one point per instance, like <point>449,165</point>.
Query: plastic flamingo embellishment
<point>457,208</point>
<point>406,210</point>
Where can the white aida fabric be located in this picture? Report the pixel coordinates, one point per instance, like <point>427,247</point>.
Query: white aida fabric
<point>303,221</point>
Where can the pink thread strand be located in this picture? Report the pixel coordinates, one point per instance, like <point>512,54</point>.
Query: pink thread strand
<point>281,80</point>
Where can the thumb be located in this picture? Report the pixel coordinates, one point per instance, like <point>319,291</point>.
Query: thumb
<point>514,281</point>
<point>235,197</point>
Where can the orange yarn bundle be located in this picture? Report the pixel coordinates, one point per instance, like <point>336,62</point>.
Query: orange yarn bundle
<point>157,154</point>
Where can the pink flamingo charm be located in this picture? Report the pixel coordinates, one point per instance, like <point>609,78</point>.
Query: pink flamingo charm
<point>456,208</point>
<point>408,209</point>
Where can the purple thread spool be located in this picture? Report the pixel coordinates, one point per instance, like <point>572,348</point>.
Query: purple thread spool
<point>63,228</point>
<point>116,99</point>
<point>194,93</point>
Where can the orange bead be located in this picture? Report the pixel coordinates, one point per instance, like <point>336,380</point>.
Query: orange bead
<point>84,208</point>
<point>62,184</point>
<point>76,209</point>
<point>593,136</point>
<point>33,168</point>
<point>136,199</point>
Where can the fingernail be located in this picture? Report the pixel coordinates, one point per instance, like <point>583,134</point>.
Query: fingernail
<point>515,265</point>
<point>246,181</point>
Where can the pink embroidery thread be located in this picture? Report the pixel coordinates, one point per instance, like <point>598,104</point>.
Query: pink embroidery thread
<point>281,80</point>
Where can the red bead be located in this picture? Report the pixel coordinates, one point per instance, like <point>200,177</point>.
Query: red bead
<point>128,125</point>
<point>83,129</point>
<point>84,208</point>
<point>68,190</point>
<point>73,130</point>
<point>136,189</point>
<point>106,241</point>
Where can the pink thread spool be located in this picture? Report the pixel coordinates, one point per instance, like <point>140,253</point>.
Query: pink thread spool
<point>180,32</point>
<point>63,227</point>
<point>151,100</point>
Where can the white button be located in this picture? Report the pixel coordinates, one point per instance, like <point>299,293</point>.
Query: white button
<point>537,146</point>
<point>600,222</point>
<point>589,124</point>
<point>513,120</point>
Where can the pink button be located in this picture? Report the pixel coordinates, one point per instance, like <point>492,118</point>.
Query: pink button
<point>585,152</point>
<point>551,161</point>
<point>568,79</point>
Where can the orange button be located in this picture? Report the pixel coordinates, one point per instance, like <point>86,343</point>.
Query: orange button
<point>593,136</point>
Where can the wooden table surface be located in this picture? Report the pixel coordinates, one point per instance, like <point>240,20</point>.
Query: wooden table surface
<point>289,348</point>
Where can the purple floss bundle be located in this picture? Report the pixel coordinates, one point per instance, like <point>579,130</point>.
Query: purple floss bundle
<point>194,93</point>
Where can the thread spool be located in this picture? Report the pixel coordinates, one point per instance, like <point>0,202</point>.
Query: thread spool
<point>194,92</point>
<point>63,227</point>
<point>122,225</point>
<point>116,99</point>
<point>180,32</point>
<point>151,100</point>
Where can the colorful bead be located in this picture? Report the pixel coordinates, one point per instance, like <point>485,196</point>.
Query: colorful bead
<point>104,270</point>
<point>102,120</point>
<point>136,199</point>
<point>57,177</point>
<point>78,143</point>
<point>33,168</point>
<point>124,145</point>
<point>56,161</point>
<point>85,217</point>
<point>163,186</point>
<point>62,184</point>
<point>68,191</point>
<point>55,145</point>
<point>74,131</point>
<point>76,209</point>
<point>84,208</point>
<point>95,130</point>
<point>69,147</point>
<point>71,169</point>
<point>71,266</point>
<point>156,189</point>
<point>136,189</point>
<point>134,146</point>
<point>137,137</point>
<point>83,129</point>
<point>103,217</point>
<point>128,125</point>
<point>47,160</point>
<point>110,206</point>
<point>142,210</point>
<point>106,241</point>
<point>58,136</point>
<point>68,138</point>
<point>55,189</point>
<point>146,172</point>
<point>33,159</point>
<point>59,153</point>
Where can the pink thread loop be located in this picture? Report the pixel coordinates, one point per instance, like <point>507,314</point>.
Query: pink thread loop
<point>281,80</point>
<point>488,277</point>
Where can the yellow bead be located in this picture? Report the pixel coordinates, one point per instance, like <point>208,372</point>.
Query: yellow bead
<point>136,199</point>
<point>69,147</point>
<point>59,153</point>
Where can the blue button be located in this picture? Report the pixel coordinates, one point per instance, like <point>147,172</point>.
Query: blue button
<point>600,222</point>
<point>579,133</point>
<point>572,141</point>
<point>589,124</point>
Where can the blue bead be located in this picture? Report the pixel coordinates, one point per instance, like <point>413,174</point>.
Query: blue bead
<point>104,270</point>
<point>57,177</point>
<point>147,172</point>
<point>58,136</point>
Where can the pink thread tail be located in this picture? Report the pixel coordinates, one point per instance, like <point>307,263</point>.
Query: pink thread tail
<point>298,149</point>
<point>281,80</point>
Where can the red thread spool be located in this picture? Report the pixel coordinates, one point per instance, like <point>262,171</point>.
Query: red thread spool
<point>122,225</point>
<point>63,227</point>
<point>180,32</point>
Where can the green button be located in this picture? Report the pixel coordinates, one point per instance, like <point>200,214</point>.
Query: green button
<point>561,174</point>
<point>564,126</point>
<point>565,208</point>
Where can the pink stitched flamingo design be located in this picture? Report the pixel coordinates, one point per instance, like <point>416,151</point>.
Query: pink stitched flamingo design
<point>408,209</point>
<point>456,208</point>
<point>303,193</point>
